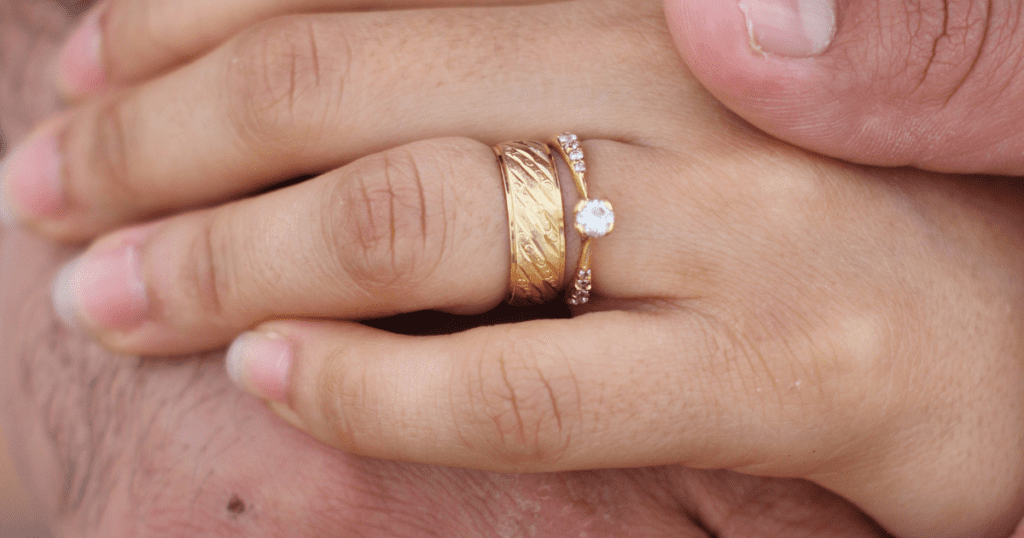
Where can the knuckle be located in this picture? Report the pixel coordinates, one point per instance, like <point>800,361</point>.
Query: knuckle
<point>805,364</point>
<point>279,79</point>
<point>205,275</point>
<point>110,159</point>
<point>947,43</point>
<point>524,402</point>
<point>387,219</point>
<point>341,401</point>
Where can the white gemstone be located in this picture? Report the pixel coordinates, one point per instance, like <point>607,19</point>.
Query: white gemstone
<point>579,166</point>
<point>595,218</point>
<point>576,155</point>
<point>567,138</point>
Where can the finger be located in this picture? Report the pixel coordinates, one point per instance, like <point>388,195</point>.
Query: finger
<point>119,42</point>
<point>609,389</point>
<point>305,94</point>
<point>935,86</point>
<point>420,227</point>
<point>390,233</point>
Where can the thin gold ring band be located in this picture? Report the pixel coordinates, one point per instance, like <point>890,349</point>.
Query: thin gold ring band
<point>593,218</point>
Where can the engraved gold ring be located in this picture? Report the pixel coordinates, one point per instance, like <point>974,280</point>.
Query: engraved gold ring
<point>536,220</point>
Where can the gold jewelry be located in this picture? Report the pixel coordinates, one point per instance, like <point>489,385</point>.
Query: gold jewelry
<point>536,221</point>
<point>594,218</point>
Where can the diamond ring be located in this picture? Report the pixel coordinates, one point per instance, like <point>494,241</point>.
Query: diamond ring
<point>594,218</point>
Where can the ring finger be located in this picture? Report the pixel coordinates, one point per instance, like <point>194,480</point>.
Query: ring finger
<point>419,227</point>
<point>304,94</point>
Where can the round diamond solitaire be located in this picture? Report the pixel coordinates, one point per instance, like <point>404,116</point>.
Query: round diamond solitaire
<point>594,218</point>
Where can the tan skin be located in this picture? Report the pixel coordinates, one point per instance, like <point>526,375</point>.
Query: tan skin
<point>172,445</point>
<point>813,320</point>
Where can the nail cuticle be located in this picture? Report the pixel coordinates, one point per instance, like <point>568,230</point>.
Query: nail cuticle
<point>789,28</point>
<point>104,289</point>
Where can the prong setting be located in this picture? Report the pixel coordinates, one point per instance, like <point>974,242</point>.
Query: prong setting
<point>593,218</point>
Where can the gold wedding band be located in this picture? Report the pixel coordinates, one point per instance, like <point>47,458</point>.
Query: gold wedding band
<point>593,218</point>
<point>536,221</point>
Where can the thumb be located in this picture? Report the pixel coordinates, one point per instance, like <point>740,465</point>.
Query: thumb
<point>928,83</point>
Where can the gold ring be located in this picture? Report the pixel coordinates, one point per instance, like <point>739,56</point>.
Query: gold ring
<point>593,218</point>
<point>536,221</point>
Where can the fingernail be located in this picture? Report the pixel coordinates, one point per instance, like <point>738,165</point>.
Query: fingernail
<point>62,291</point>
<point>791,28</point>
<point>80,65</point>
<point>31,182</point>
<point>7,217</point>
<point>260,364</point>
<point>104,289</point>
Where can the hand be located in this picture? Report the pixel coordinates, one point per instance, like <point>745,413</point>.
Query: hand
<point>757,308</point>
<point>116,447</point>
<point>931,84</point>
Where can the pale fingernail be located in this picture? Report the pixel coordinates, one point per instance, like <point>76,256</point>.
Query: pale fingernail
<point>80,65</point>
<point>7,217</point>
<point>105,289</point>
<point>260,363</point>
<point>31,180</point>
<point>792,28</point>
<point>62,291</point>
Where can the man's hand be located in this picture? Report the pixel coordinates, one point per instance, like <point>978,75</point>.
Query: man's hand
<point>927,83</point>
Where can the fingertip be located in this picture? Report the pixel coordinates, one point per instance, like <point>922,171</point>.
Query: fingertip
<point>7,215</point>
<point>62,293</point>
<point>693,22</point>
<point>80,69</point>
<point>718,42</point>
<point>786,86</point>
<point>260,363</point>
<point>790,28</point>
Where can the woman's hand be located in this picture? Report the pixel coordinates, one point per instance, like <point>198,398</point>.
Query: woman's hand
<point>189,453</point>
<point>756,308</point>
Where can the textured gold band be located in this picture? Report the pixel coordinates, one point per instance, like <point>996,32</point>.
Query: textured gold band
<point>536,221</point>
<point>593,218</point>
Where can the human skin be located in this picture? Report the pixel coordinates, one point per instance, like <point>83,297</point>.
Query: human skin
<point>757,308</point>
<point>113,446</point>
<point>926,83</point>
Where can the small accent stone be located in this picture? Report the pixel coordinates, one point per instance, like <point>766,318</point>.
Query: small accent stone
<point>595,218</point>
<point>567,138</point>
<point>579,166</point>
<point>576,155</point>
